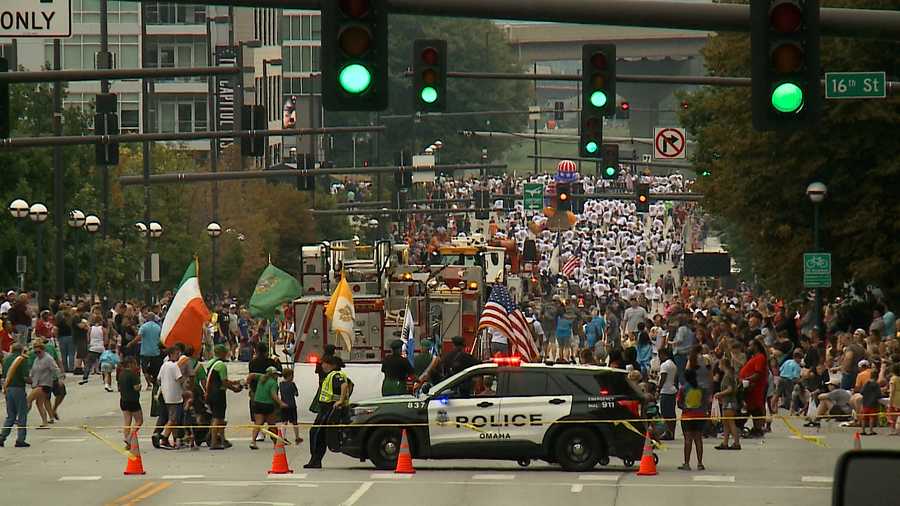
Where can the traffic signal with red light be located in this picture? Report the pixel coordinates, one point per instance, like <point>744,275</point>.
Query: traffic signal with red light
<point>430,75</point>
<point>784,37</point>
<point>354,55</point>
<point>563,196</point>
<point>623,111</point>
<point>598,89</point>
<point>4,100</point>
<point>609,168</point>
<point>642,197</point>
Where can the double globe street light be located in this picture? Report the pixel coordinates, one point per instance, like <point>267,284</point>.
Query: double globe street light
<point>37,213</point>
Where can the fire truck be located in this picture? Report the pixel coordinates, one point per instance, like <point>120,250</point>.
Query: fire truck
<point>445,296</point>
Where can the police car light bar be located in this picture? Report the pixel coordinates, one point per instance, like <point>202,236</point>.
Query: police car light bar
<point>513,361</point>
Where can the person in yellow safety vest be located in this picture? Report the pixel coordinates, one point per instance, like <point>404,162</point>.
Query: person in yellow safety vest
<point>334,393</point>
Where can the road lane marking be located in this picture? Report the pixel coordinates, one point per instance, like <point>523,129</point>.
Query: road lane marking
<point>600,477</point>
<point>577,488</point>
<point>67,440</point>
<point>494,477</point>
<point>182,476</point>
<point>159,487</point>
<point>817,479</point>
<point>127,497</point>
<point>389,476</point>
<point>714,477</point>
<point>298,476</point>
<point>80,478</point>
<point>358,493</point>
<point>219,503</point>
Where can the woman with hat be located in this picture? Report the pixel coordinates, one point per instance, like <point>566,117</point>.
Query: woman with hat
<point>266,399</point>
<point>396,369</point>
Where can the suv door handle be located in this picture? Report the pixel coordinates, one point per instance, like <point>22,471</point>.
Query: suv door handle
<point>485,404</point>
<point>557,401</point>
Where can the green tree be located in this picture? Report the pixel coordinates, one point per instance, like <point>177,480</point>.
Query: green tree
<point>759,180</point>
<point>473,45</point>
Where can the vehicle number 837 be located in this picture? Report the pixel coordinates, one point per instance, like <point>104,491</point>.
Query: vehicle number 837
<point>415,405</point>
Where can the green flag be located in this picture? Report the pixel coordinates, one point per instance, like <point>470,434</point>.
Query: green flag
<point>190,272</point>
<point>273,288</point>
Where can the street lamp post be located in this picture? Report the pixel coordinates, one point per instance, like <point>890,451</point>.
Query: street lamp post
<point>156,231</point>
<point>38,214</point>
<point>76,222</point>
<point>816,192</point>
<point>92,225</point>
<point>214,230</point>
<point>19,210</point>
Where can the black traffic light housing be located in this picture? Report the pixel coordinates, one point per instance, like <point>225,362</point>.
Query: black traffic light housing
<point>563,196</point>
<point>106,122</point>
<point>642,197</point>
<point>4,100</point>
<point>598,95</point>
<point>253,117</point>
<point>482,203</point>
<point>577,198</point>
<point>786,91</point>
<point>430,75</point>
<point>354,55</point>
<point>609,168</point>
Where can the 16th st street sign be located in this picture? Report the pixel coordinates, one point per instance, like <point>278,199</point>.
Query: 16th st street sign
<point>36,18</point>
<point>855,85</point>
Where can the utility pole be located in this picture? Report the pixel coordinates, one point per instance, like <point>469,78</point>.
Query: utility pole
<point>59,199</point>
<point>104,60</point>
<point>145,152</point>
<point>536,160</point>
<point>212,126</point>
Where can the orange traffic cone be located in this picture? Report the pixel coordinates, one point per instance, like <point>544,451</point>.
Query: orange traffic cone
<point>279,459</point>
<point>134,464</point>
<point>404,460</point>
<point>648,464</point>
<point>857,444</point>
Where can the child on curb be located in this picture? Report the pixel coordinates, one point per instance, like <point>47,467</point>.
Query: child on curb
<point>288,392</point>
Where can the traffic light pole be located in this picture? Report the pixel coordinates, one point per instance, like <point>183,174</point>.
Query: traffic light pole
<point>860,23</point>
<point>27,142</point>
<point>194,177</point>
<point>670,165</point>
<point>59,201</point>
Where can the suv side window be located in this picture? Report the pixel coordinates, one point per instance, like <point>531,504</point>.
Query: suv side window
<point>480,384</point>
<point>582,384</point>
<point>521,383</point>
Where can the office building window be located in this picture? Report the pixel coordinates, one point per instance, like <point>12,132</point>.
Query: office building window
<point>164,13</point>
<point>88,11</point>
<point>80,51</point>
<point>177,51</point>
<point>302,86</point>
<point>129,116</point>
<point>306,27</point>
<point>301,58</point>
<point>178,114</point>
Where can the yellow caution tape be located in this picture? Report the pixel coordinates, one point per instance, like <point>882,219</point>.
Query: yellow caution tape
<point>117,448</point>
<point>632,428</point>
<point>816,440</point>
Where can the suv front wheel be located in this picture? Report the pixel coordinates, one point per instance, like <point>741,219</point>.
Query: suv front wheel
<point>577,449</point>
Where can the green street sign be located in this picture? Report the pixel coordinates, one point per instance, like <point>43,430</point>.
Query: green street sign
<point>533,196</point>
<point>817,270</point>
<point>855,85</point>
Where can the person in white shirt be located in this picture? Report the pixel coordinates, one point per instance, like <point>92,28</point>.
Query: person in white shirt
<point>668,372</point>
<point>171,388</point>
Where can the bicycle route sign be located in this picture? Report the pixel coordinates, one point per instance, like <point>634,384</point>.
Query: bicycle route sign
<point>817,270</point>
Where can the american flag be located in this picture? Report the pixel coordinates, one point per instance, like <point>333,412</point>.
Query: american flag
<point>569,267</point>
<point>502,315</point>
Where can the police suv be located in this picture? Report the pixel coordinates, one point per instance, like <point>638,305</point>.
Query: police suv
<point>504,410</point>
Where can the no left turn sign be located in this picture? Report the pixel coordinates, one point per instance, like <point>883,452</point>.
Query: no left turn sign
<point>668,143</point>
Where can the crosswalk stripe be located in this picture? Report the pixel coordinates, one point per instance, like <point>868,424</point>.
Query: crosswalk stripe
<point>600,477</point>
<point>80,478</point>
<point>577,488</point>
<point>390,476</point>
<point>298,476</point>
<point>714,477</point>
<point>494,477</point>
<point>817,479</point>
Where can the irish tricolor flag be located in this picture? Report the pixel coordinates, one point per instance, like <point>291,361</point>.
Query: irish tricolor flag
<point>187,313</point>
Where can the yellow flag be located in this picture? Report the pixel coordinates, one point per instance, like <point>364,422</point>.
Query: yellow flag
<point>341,313</point>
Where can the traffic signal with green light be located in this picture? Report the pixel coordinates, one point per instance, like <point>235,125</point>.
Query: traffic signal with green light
<point>563,196</point>
<point>598,95</point>
<point>705,173</point>
<point>4,100</point>
<point>430,75</point>
<point>609,166</point>
<point>354,55</point>
<point>642,197</point>
<point>786,93</point>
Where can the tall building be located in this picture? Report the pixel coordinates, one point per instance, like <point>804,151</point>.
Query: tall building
<point>301,32</point>
<point>168,35</point>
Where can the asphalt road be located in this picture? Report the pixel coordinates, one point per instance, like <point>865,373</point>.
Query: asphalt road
<point>66,465</point>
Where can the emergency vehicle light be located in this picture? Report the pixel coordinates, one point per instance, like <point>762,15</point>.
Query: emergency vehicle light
<point>407,276</point>
<point>313,358</point>
<point>473,285</point>
<point>632,405</point>
<point>514,361</point>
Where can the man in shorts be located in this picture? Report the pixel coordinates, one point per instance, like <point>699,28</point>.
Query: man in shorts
<point>149,338</point>
<point>835,402</point>
<point>216,383</point>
